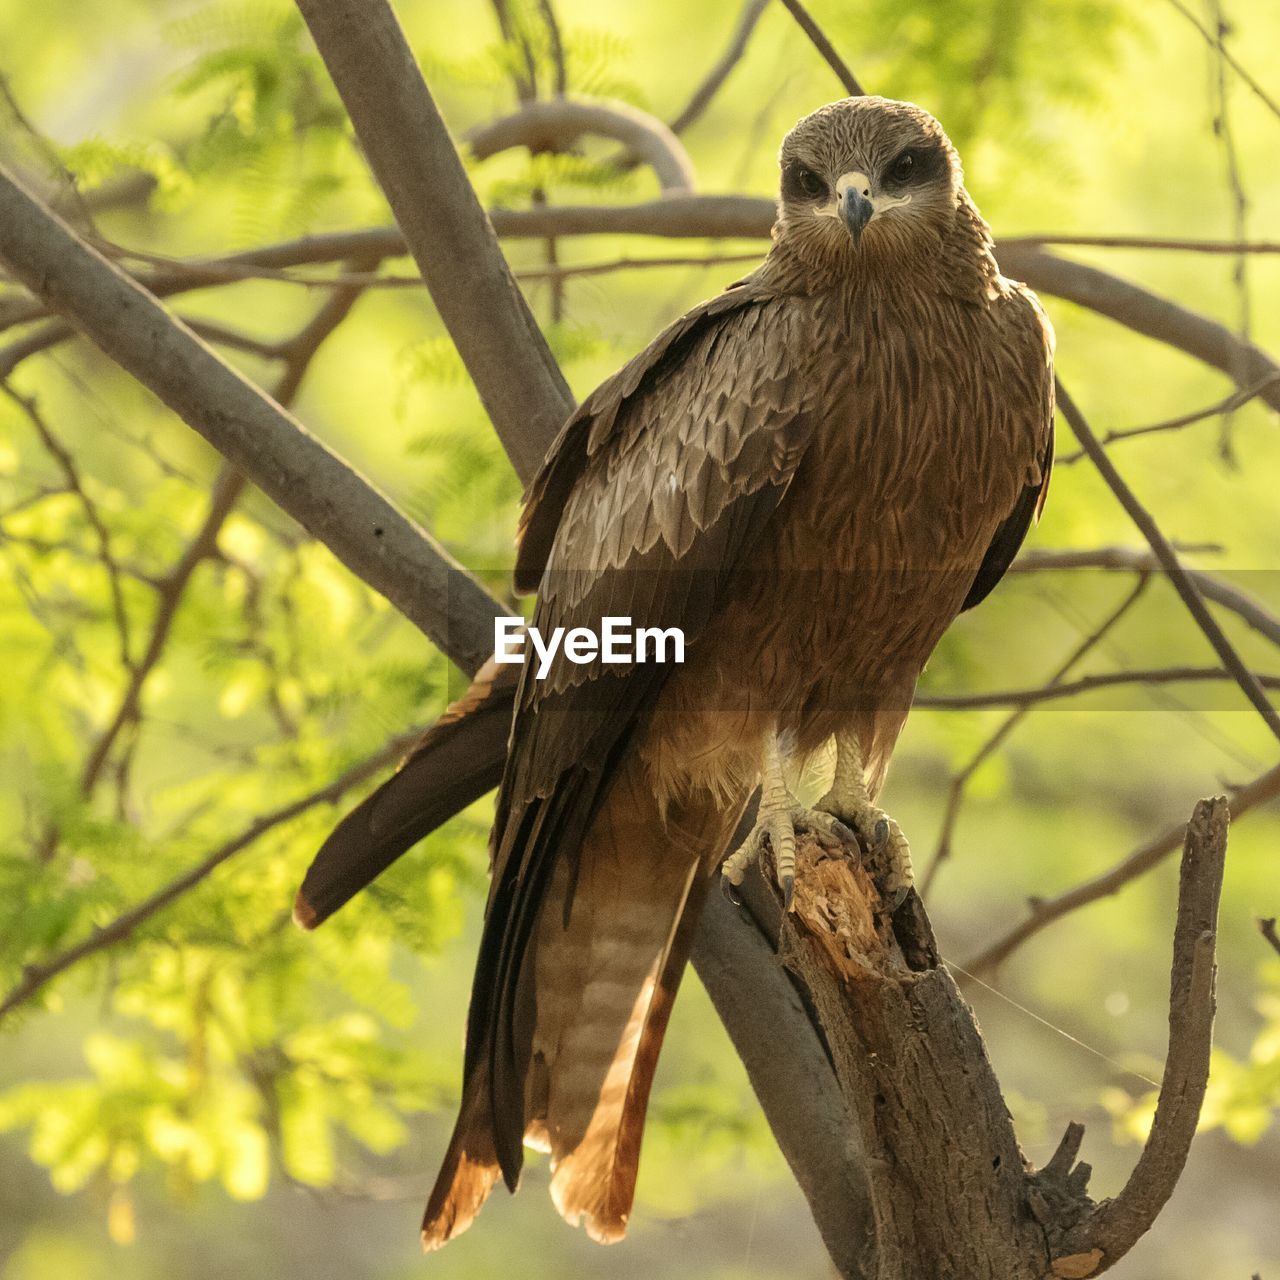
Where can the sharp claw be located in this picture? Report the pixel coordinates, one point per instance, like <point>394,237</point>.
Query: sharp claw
<point>900,895</point>
<point>788,891</point>
<point>730,891</point>
<point>845,832</point>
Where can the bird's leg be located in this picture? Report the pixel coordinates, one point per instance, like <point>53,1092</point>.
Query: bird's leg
<point>777,820</point>
<point>848,800</point>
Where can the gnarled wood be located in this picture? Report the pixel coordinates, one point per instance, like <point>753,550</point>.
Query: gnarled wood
<point>952,1195</point>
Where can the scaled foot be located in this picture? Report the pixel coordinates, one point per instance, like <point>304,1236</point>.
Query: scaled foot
<point>776,827</point>
<point>887,849</point>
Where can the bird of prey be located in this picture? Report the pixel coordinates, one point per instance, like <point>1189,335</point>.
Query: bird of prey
<point>811,474</point>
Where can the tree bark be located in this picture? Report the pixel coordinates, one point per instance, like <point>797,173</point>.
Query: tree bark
<point>953,1196</point>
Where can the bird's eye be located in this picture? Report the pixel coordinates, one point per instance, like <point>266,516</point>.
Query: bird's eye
<point>903,167</point>
<point>810,183</point>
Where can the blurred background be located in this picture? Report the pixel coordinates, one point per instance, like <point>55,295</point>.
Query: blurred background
<point>222,1095</point>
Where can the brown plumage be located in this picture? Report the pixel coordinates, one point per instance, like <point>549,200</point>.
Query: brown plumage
<point>811,474</point>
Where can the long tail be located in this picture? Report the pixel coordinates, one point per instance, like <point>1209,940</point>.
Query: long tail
<point>596,984</point>
<point>455,763</point>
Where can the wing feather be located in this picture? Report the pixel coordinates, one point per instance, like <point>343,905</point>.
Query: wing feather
<point>654,491</point>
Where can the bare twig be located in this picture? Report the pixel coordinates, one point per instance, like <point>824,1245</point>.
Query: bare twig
<point>1035,694</point>
<point>526,77</point>
<point>552,24</point>
<point>960,781</point>
<point>1044,911</point>
<point>1227,405</point>
<point>1160,243</point>
<point>715,78</point>
<point>333,502</point>
<point>824,46</point>
<point>66,463</point>
<point>1258,91</point>
<point>36,976</point>
<point>298,352</point>
<point>1168,558</point>
<point>226,491</point>
<point>1222,128</point>
<point>1132,560</point>
<point>1116,1225</point>
<point>751,217</point>
<point>1146,313</point>
<point>798,1091</point>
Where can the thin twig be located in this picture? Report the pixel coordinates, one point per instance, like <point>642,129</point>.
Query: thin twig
<point>1044,911</point>
<point>226,492</point>
<point>1249,609</point>
<point>1222,128</point>
<point>715,78</point>
<point>960,781</point>
<point>844,72</point>
<point>552,23</point>
<point>37,976</point>
<point>1052,692</point>
<point>1165,243</point>
<point>230,484</point>
<point>329,499</point>
<point>1229,404</point>
<point>1258,91</point>
<point>48,153</point>
<point>66,463</point>
<point>232,273</point>
<point>1168,557</point>
<point>736,217</point>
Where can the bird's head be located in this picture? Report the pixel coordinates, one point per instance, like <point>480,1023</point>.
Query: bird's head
<point>867,178</point>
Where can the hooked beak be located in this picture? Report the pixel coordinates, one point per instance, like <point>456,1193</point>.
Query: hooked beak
<point>855,211</point>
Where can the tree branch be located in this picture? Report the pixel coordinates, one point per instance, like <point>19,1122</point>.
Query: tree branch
<point>1229,404</point>
<point>750,218</point>
<point>1128,559</point>
<point>1143,312</point>
<point>1183,582</point>
<point>1115,1226</point>
<point>960,780</point>
<point>1036,694</point>
<point>556,125</point>
<point>1160,243</point>
<point>1044,911</point>
<point>298,352</point>
<point>798,1091</point>
<point>333,502</point>
<point>843,71</point>
<point>413,157</point>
